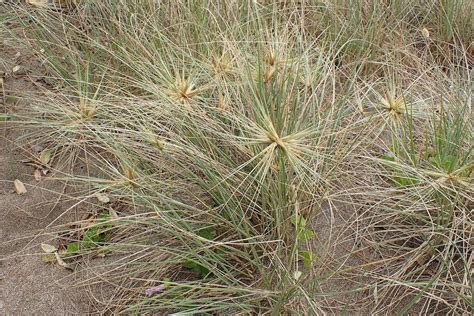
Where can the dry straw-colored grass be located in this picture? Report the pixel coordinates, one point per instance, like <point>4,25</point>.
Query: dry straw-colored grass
<point>264,157</point>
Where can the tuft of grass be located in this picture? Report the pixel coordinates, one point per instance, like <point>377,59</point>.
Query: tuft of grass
<point>262,157</point>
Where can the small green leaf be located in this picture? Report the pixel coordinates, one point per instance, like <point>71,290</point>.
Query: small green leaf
<point>104,215</point>
<point>196,267</point>
<point>403,181</point>
<point>203,271</point>
<point>11,100</point>
<point>48,258</point>
<point>298,221</point>
<point>4,117</point>
<point>387,158</point>
<point>305,234</point>
<point>92,238</point>
<point>72,248</point>
<point>206,233</point>
<point>45,156</point>
<point>189,264</point>
<point>308,258</point>
<point>448,163</point>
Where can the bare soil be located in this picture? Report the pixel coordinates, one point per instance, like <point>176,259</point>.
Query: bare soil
<point>28,285</point>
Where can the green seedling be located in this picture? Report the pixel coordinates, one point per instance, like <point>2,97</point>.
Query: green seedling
<point>11,100</point>
<point>398,177</point>
<point>308,258</point>
<point>195,266</point>
<point>302,233</point>
<point>92,238</point>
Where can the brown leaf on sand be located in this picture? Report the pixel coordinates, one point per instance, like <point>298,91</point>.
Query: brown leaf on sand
<point>61,261</point>
<point>154,290</point>
<point>37,175</point>
<point>48,248</point>
<point>425,32</point>
<point>113,214</point>
<point>102,198</point>
<point>19,187</point>
<point>16,69</point>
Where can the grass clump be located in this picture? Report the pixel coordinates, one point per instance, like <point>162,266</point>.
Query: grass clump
<point>240,144</point>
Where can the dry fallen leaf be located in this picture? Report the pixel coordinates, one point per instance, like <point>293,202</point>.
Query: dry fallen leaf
<point>48,248</point>
<point>16,69</point>
<point>102,198</point>
<point>113,214</point>
<point>37,175</point>
<point>297,275</point>
<point>19,187</point>
<point>425,32</point>
<point>61,261</point>
<point>37,148</point>
<point>154,290</point>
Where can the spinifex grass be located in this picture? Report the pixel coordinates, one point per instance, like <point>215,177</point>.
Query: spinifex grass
<point>424,217</point>
<point>222,132</point>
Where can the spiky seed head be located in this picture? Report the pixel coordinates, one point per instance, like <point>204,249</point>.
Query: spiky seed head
<point>183,91</point>
<point>221,65</point>
<point>394,106</point>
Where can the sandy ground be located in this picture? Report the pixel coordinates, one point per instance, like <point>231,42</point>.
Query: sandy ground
<point>27,285</point>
